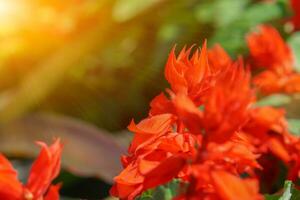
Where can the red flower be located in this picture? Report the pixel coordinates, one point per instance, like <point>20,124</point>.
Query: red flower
<point>267,130</point>
<point>227,104</point>
<point>156,146</point>
<point>268,50</point>
<point>206,133</point>
<point>43,171</point>
<point>151,166</point>
<point>188,75</point>
<point>219,163</point>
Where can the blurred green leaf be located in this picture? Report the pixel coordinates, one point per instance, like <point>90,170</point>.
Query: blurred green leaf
<point>230,9</point>
<point>88,151</point>
<point>147,195</point>
<point>274,100</point>
<point>289,193</point>
<point>205,11</point>
<point>232,36</point>
<point>271,197</point>
<point>127,9</point>
<point>163,192</point>
<point>294,126</point>
<point>294,42</point>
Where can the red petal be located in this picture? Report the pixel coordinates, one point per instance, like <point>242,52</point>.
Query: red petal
<point>45,168</point>
<point>53,192</point>
<point>163,173</point>
<point>230,187</point>
<point>174,72</point>
<point>152,125</point>
<point>10,187</point>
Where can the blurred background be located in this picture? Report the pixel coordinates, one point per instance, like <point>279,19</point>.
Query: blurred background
<point>82,69</point>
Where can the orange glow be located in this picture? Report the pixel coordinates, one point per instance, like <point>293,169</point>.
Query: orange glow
<point>13,13</point>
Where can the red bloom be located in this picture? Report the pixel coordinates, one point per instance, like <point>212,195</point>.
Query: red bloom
<point>215,175</point>
<point>43,171</point>
<point>267,130</point>
<point>226,106</point>
<point>188,75</point>
<point>151,166</point>
<point>155,147</point>
<point>268,50</point>
<point>206,133</point>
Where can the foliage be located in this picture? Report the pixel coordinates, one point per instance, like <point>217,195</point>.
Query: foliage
<point>163,192</point>
<point>289,193</point>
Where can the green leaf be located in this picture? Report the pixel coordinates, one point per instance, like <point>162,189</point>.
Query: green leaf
<point>294,42</point>
<point>294,126</point>
<point>147,195</point>
<point>230,9</point>
<point>127,9</point>
<point>274,100</point>
<point>164,192</point>
<point>174,186</point>
<point>289,193</point>
<point>271,197</point>
<point>232,36</point>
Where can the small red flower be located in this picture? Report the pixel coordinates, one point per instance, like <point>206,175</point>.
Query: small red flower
<point>45,168</point>
<point>269,51</point>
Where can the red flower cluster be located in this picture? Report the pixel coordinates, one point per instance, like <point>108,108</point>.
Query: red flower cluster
<point>43,171</point>
<point>269,51</point>
<point>208,132</point>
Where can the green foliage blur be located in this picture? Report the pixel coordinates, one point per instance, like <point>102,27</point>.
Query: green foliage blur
<point>102,61</point>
